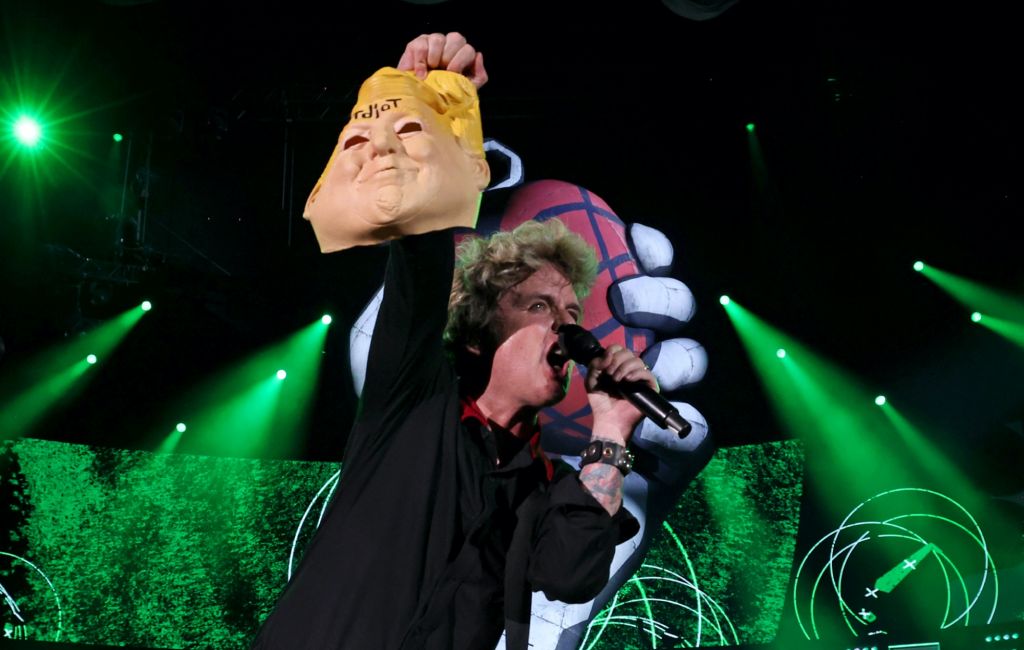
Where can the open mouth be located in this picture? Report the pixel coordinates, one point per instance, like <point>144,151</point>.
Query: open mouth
<point>558,359</point>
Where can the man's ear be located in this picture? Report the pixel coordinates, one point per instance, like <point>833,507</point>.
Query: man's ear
<point>481,172</point>
<point>311,201</point>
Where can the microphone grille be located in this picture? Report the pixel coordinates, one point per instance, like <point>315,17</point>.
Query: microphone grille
<point>580,345</point>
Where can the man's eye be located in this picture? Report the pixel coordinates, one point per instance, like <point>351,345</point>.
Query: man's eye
<point>353,141</point>
<point>410,127</point>
<point>538,306</point>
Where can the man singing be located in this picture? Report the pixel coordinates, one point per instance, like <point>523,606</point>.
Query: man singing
<point>448,515</point>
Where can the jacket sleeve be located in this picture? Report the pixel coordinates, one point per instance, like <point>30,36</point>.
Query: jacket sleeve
<point>574,542</point>
<point>406,356</point>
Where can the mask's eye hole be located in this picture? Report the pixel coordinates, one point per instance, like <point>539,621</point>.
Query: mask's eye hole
<point>353,141</point>
<point>410,127</point>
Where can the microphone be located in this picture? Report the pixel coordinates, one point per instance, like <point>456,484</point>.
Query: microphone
<point>583,347</point>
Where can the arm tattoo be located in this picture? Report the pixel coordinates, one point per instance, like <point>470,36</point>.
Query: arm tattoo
<point>604,483</point>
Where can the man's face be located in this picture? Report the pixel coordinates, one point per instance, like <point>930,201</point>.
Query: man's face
<point>396,165</point>
<point>527,366</point>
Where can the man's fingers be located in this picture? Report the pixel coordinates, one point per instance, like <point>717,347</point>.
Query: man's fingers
<point>414,58</point>
<point>478,75</point>
<point>448,51</point>
<point>435,50</point>
<point>619,365</point>
<point>454,44</point>
<point>405,63</point>
<point>462,60</point>
<point>422,53</point>
<point>624,365</point>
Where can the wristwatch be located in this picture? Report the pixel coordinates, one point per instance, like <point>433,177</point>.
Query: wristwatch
<point>609,453</point>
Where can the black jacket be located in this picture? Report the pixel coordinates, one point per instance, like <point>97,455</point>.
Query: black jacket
<point>428,543</point>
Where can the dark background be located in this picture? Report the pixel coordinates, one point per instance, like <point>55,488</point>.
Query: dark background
<point>889,134</point>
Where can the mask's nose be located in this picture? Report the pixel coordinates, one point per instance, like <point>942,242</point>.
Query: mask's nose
<point>384,140</point>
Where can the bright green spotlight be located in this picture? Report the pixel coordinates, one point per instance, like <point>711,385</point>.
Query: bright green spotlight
<point>750,127</point>
<point>724,300</point>
<point>780,353</point>
<point>180,427</point>
<point>118,137</point>
<point>27,131</point>
<point>918,266</point>
<point>976,317</point>
<point>91,359</point>
<point>146,305</point>
<point>281,374</point>
<point>326,320</point>
<point>880,400</point>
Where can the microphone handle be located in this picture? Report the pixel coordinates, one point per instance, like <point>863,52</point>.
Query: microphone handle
<point>657,408</point>
<point>583,347</point>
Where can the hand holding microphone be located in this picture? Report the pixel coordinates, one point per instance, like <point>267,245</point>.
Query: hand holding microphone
<point>582,347</point>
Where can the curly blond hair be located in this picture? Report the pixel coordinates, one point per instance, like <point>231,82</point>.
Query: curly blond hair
<point>485,268</point>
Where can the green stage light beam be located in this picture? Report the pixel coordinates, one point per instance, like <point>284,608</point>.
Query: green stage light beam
<point>104,339</point>
<point>1013,331</point>
<point>170,443</point>
<point>821,405</point>
<point>241,424</point>
<point>118,137</point>
<point>837,420</point>
<point>931,461</point>
<point>978,297</point>
<point>22,412</point>
<point>301,354</point>
<point>52,377</point>
<point>248,410</point>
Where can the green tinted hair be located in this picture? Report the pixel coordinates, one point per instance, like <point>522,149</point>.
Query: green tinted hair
<point>485,268</point>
